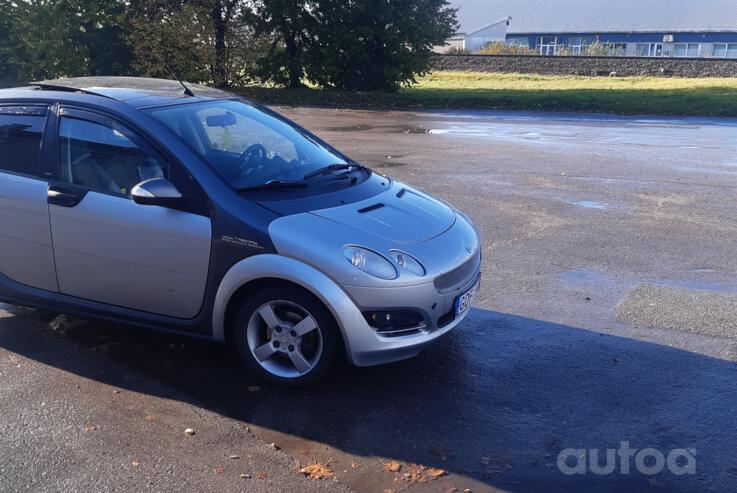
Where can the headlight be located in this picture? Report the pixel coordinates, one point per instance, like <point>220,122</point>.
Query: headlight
<point>407,263</point>
<point>370,262</point>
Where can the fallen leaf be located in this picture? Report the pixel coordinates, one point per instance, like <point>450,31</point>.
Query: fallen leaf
<point>135,463</point>
<point>15,359</point>
<point>390,491</point>
<point>219,469</point>
<point>435,473</point>
<point>355,466</point>
<point>150,418</point>
<point>392,466</point>
<point>414,474</point>
<point>317,471</point>
<point>90,428</point>
<point>261,475</point>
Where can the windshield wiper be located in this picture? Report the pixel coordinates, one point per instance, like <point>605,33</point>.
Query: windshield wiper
<point>332,168</point>
<point>273,184</point>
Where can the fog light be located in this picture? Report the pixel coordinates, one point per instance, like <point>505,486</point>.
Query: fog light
<point>394,320</point>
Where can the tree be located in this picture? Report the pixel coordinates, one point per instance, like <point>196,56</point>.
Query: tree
<point>169,38</point>
<point>290,24</point>
<point>376,44</point>
<point>207,41</point>
<point>53,38</point>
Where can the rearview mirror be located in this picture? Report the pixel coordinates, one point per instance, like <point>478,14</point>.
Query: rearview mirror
<point>156,191</point>
<point>227,119</point>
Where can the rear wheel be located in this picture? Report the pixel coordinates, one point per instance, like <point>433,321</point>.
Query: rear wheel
<point>286,335</point>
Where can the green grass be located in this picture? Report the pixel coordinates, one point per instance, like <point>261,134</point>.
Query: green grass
<point>619,95</point>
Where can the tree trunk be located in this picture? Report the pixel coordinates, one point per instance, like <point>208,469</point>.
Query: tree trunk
<point>294,63</point>
<point>219,66</point>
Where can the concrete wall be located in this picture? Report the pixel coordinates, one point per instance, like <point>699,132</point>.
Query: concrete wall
<point>580,65</point>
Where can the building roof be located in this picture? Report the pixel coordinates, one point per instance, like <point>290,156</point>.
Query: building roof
<point>599,16</point>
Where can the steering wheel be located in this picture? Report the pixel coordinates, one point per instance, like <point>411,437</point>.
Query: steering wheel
<point>250,158</point>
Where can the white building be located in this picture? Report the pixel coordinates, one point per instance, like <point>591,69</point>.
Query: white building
<point>647,28</point>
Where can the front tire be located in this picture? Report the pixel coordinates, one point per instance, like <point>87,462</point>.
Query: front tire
<point>286,336</point>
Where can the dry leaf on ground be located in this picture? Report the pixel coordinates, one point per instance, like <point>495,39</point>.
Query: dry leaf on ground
<point>392,466</point>
<point>317,471</point>
<point>434,472</point>
<point>414,474</point>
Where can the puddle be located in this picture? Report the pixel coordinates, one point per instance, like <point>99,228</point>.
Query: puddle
<point>718,287</point>
<point>391,164</point>
<point>417,130</point>
<point>584,275</point>
<point>590,204</point>
<point>420,130</point>
<point>351,128</point>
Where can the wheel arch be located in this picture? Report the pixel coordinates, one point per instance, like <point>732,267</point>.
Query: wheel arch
<point>257,270</point>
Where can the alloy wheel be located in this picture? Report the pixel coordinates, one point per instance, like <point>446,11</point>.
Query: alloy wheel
<point>285,339</point>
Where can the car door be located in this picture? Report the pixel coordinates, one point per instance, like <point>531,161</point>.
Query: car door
<point>26,254</point>
<point>108,248</point>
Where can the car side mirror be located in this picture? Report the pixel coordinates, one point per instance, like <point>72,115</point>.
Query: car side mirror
<point>156,191</point>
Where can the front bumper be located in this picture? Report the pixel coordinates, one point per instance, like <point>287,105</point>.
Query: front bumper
<point>368,347</point>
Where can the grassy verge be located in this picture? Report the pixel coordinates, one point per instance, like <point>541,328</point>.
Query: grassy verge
<point>618,95</point>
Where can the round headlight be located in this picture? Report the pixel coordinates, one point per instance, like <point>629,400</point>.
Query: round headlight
<point>408,263</point>
<point>370,262</point>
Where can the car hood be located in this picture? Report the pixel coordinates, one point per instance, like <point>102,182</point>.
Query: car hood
<point>401,214</point>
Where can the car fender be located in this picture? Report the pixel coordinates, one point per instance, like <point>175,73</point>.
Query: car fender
<point>272,266</point>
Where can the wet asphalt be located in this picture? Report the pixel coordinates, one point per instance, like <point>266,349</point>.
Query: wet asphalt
<point>606,315</point>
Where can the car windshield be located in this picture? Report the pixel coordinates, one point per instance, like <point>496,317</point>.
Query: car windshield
<point>247,146</point>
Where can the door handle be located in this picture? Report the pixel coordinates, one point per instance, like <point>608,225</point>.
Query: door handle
<point>65,196</point>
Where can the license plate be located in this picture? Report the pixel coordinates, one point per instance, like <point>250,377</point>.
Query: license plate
<point>464,301</point>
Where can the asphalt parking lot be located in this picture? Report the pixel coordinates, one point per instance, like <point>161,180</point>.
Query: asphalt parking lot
<point>606,315</point>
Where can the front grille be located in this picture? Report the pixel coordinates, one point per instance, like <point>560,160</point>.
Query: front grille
<point>454,279</point>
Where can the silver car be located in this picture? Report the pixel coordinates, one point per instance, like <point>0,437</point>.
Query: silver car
<point>193,211</point>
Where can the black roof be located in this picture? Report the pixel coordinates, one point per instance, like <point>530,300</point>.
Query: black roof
<point>145,91</point>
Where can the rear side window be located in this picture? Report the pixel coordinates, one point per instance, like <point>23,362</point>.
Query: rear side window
<point>106,159</point>
<point>21,133</point>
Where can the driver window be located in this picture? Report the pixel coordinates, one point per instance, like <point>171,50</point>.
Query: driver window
<point>103,158</point>
<point>234,133</point>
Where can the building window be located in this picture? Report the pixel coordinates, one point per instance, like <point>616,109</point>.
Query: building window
<point>548,45</point>
<point>616,49</point>
<point>649,49</point>
<point>578,44</point>
<point>687,50</point>
<point>519,41</point>
<point>725,50</point>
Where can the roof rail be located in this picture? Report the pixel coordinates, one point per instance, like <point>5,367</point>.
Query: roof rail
<point>57,87</point>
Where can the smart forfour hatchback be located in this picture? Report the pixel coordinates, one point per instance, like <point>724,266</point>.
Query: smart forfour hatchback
<point>190,210</point>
